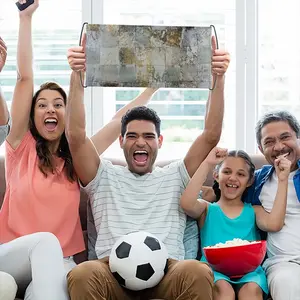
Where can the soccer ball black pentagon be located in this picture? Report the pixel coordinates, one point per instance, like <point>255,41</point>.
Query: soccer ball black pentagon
<point>138,260</point>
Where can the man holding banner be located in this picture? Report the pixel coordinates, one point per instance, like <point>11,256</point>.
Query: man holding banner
<point>159,189</point>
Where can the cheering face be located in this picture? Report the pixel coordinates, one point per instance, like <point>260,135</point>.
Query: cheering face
<point>278,138</point>
<point>233,177</point>
<point>49,115</point>
<point>140,145</point>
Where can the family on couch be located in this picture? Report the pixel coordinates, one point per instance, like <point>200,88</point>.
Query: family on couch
<point>49,159</point>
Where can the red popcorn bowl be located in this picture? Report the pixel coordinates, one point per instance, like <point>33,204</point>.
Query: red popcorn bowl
<point>236,260</point>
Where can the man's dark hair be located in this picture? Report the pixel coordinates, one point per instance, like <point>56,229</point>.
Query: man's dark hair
<point>276,116</point>
<point>140,113</point>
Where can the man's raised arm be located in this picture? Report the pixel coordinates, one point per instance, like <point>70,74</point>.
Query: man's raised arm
<point>214,113</point>
<point>84,154</point>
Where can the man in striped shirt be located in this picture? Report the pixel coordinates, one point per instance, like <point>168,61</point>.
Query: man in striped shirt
<point>138,196</point>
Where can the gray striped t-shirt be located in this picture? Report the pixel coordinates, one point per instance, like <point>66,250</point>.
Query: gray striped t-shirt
<point>123,202</point>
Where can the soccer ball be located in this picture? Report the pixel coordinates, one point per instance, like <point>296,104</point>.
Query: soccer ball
<point>138,260</point>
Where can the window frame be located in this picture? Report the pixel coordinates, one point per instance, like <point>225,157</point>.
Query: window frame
<point>245,109</point>
<point>240,128</point>
<point>246,74</point>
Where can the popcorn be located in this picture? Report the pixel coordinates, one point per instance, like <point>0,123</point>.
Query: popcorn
<point>234,242</point>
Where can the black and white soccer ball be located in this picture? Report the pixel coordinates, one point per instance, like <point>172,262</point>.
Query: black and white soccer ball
<point>138,260</point>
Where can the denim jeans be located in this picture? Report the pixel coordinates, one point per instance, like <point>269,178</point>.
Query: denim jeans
<point>191,239</point>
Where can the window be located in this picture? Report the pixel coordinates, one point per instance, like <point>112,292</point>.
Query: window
<point>182,110</point>
<point>261,37</point>
<point>52,36</point>
<point>279,58</point>
<point>56,27</point>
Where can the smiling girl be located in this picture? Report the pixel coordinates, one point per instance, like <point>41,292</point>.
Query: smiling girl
<point>230,218</point>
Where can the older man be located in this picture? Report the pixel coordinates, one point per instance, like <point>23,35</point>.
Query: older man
<point>278,133</point>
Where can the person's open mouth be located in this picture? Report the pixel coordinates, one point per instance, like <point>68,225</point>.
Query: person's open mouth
<point>51,124</point>
<point>140,157</point>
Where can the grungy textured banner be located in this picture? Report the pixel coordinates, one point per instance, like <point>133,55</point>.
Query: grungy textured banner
<point>148,56</point>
